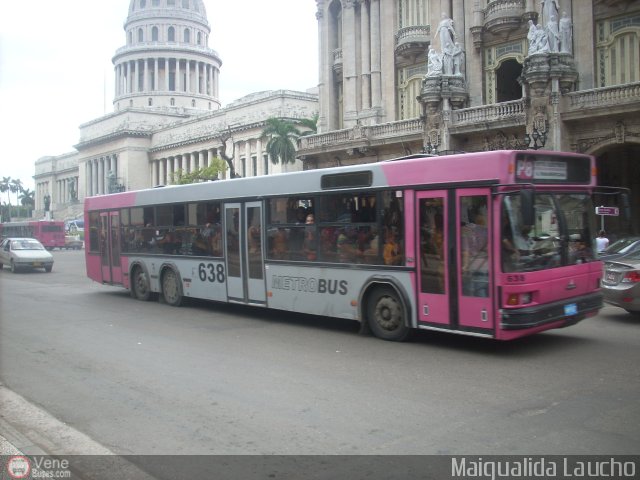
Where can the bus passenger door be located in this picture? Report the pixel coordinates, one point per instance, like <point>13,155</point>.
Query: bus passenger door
<point>110,247</point>
<point>244,253</point>
<point>433,272</point>
<point>475,307</point>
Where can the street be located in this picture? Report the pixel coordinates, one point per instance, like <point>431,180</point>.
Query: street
<point>146,378</point>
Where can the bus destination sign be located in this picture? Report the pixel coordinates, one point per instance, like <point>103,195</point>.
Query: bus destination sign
<point>529,168</point>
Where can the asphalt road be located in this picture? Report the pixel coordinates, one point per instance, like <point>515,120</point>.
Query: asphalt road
<point>146,378</point>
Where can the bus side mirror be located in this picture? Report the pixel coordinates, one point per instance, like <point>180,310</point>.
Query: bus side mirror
<point>527,207</point>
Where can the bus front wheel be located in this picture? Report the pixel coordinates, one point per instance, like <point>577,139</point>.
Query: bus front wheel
<point>386,315</point>
<point>171,288</point>
<point>140,285</point>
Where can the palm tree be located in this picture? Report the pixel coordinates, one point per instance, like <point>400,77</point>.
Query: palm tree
<point>27,198</point>
<point>5,186</point>
<point>310,124</point>
<point>282,135</point>
<point>16,187</point>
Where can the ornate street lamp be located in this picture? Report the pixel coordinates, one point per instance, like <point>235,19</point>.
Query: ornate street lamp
<point>536,140</point>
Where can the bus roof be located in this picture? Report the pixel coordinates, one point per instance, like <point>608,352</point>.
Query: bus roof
<point>413,171</point>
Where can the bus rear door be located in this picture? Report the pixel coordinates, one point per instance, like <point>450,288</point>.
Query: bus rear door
<point>244,253</point>
<point>433,271</point>
<point>110,247</point>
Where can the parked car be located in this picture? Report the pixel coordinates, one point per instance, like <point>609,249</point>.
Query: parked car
<point>20,253</point>
<point>619,248</point>
<point>73,242</point>
<point>621,282</point>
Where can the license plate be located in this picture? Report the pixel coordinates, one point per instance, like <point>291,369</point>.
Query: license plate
<point>611,277</point>
<point>37,264</point>
<point>571,309</point>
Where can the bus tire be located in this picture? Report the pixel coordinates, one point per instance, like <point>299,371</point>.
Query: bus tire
<point>140,285</point>
<point>171,291</point>
<point>386,315</point>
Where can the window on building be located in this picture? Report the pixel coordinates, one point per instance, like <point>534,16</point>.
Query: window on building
<point>172,34</point>
<point>503,65</point>
<point>154,34</point>
<point>187,35</point>
<point>507,86</point>
<point>199,38</point>
<point>618,50</point>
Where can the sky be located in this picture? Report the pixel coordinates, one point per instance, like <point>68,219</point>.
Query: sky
<point>56,71</point>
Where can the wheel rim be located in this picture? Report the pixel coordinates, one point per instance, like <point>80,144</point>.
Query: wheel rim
<point>388,314</point>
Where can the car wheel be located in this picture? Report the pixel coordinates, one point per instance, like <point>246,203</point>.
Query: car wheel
<point>14,269</point>
<point>48,268</point>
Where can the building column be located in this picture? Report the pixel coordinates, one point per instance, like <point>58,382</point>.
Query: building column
<point>259,157</point>
<point>162,180</point>
<point>349,78</point>
<point>365,55</point>
<point>376,58</point>
<point>178,75</point>
<point>154,173</point>
<point>187,86</point>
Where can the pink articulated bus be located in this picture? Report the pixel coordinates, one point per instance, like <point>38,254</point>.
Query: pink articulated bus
<point>50,233</point>
<point>494,244</point>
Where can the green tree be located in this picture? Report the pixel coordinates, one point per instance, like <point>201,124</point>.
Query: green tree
<point>282,135</point>
<point>16,187</point>
<point>206,174</point>
<point>310,125</point>
<point>5,186</point>
<point>27,198</point>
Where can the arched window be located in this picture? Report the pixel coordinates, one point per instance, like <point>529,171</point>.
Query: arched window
<point>409,87</point>
<point>154,34</point>
<point>140,35</point>
<point>503,66</point>
<point>199,38</point>
<point>187,35</point>
<point>618,50</point>
<point>172,34</point>
<point>507,86</point>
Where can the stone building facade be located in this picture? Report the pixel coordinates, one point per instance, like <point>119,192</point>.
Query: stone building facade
<point>490,85</point>
<point>167,115</point>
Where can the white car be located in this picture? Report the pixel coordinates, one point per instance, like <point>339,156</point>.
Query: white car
<point>20,253</point>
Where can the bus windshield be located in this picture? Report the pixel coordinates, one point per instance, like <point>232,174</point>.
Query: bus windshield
<point>562,234</point>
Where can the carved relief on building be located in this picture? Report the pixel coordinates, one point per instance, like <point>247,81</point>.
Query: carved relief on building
<point>618,134</point>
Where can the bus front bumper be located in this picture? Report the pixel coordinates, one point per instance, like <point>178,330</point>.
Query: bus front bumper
<point>569,310</point>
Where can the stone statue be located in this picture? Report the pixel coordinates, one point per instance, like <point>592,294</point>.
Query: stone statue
<point>538,39</point>
<point>434,63</point>
<point>553,34</point>
<point>72,190</point>
<point>549,9</point>
<point>458,60</point>
<point>47,202</point>
<point>566,34</point>
<point>446,34</point>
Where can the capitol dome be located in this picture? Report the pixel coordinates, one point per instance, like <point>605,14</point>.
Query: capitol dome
<point>166,61</point>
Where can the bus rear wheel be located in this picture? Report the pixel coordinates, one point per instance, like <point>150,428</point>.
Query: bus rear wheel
<point>140,285</point>
<point>386,315</point>
<point>171,288</point>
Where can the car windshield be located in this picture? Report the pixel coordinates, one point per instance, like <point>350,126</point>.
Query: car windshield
<point>620,245</point>
<point>634,256</point>
<point>26,245</point>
